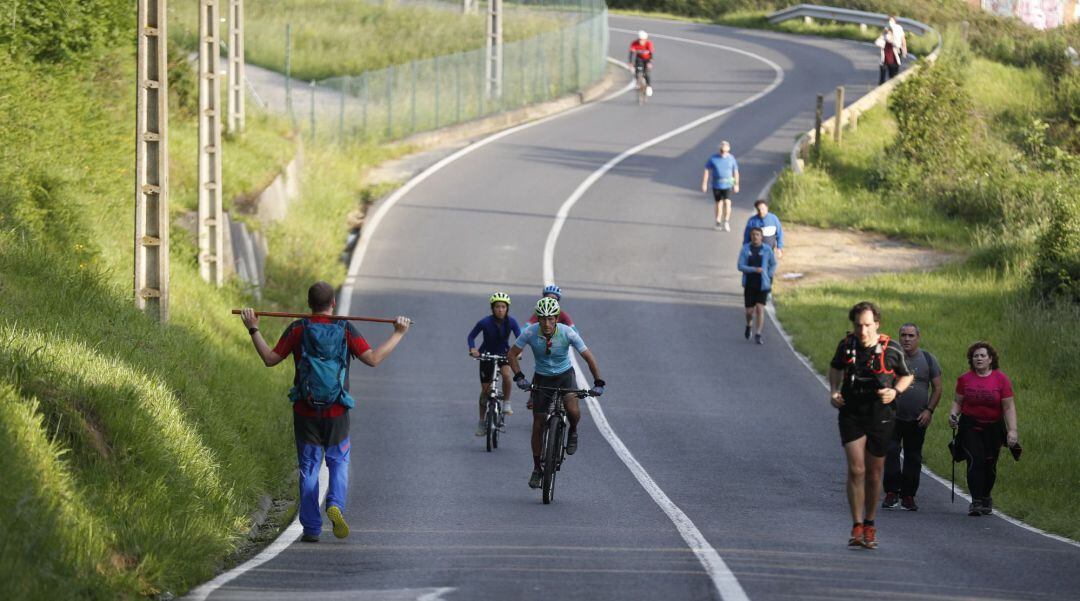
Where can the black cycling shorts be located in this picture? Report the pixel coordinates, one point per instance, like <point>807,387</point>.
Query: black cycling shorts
<point>754,296</point>
<point>876,424</point>
<point>487,369</point>
<point>542,398</point>
<point>719,194</point>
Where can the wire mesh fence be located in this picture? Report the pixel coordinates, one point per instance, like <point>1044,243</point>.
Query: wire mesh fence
<point>422,95</point>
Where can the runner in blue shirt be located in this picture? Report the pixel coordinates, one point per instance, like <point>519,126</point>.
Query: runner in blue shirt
<point>496,329</point>
<point>724,170</point>
<point>550,342</point>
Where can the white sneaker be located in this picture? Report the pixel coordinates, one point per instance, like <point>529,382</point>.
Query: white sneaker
<point>507,409</point>
<point>648,91</point>
<point>481,430</point>
<point>727,226</point>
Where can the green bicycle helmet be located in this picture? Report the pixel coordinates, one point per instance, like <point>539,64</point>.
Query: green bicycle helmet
<point>499,297</point>
<point>547,307</point>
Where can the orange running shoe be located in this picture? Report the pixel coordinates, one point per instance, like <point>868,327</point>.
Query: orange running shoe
<point>856,536</point>
<point>869,539</point>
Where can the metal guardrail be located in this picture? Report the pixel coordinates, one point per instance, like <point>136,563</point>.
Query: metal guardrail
<point>875,96</point>
<point>846,15</point>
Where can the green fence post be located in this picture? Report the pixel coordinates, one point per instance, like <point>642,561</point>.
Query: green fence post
<point>313,111</point>
<point>482,87</point>
<point>288,74</point>
<point>341,110</point>
<point>562,64</point>
<point>457,88</point>
<point>390,102</point>
<point>436,91</point>
<point>363,102</point>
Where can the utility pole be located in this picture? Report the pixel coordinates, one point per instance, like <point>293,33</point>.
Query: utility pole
<point>210,217</point>
<point>236,67</point>
<point>152,163</point>
<point>494,50</point>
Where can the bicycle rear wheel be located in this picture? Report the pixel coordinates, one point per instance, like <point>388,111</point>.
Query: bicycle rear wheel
<point>551,457</point>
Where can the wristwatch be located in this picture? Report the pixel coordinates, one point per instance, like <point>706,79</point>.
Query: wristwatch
<point>251,331</point>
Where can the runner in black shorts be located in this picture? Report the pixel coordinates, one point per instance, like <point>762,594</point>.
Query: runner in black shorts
<point>866,374</point>
<point>721,194</point>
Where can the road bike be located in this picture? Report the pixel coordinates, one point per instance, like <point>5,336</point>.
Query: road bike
<point>642,86</point>
<point>494,421</point>
<point>553,437</point>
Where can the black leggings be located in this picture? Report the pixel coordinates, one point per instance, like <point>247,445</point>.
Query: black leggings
<point>643,64</point>
<point>981,443</point>
<point>905,480</point>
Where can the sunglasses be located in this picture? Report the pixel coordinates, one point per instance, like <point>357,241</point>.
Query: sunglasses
<point>547,351</point>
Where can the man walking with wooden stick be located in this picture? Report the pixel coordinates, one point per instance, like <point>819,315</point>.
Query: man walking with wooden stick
<point>321,346</point>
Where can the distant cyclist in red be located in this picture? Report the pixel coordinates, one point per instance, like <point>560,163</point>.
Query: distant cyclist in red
<point>641,55</point>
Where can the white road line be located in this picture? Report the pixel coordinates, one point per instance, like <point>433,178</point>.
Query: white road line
<point>293,532</point>
<point>722,577</point>
<point>771,310</point>
<point>282,542</point>
<point>368,231</point>
<point>564,210</point>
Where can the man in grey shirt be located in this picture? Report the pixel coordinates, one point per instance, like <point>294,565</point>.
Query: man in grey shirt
<point>914,410</point>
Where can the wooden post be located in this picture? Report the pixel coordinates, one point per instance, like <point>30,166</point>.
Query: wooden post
<point>817,126</point>
<point>853,119</point>
<point>839,129</point>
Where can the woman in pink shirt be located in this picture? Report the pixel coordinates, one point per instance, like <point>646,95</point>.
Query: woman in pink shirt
<point>985,412</point>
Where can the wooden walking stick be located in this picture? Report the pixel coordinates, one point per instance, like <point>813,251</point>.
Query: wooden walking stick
<point>310,315</point>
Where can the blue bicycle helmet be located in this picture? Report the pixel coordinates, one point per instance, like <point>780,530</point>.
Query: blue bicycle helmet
<point>553,289</point>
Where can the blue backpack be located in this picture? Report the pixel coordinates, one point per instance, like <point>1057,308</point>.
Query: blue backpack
<point>323,366</point>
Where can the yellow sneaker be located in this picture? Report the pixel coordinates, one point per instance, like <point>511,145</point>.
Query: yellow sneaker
<point>341,529</point>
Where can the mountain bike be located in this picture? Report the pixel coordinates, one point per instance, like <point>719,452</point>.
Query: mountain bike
<point>553,437</point>
<point>494,420</point>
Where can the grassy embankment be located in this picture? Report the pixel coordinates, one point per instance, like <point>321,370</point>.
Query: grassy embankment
<point>998,208</point>
<point>344,37</point>
<point>131,454</point>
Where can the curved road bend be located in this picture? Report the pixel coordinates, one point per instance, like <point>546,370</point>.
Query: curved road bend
<point>740,437</point>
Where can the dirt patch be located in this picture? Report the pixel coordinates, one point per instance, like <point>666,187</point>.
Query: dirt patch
<point>813,255</point>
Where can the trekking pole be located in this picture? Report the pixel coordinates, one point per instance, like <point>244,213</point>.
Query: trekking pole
<point>310,315</point>
<point>952,460</point>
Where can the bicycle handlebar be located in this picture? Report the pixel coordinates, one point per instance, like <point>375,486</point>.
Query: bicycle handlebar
<point>581,393</point>
<point>489,357</point>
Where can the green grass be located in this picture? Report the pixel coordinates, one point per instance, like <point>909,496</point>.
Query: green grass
<point>987,297</point>
<point>346,37</point>
<point>132,453</point>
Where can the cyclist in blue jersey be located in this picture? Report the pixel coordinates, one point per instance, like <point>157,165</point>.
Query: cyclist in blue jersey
<point>550,342</point>
<point>496,329</point>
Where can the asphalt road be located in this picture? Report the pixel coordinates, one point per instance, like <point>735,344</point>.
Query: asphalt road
<point>740,437</point>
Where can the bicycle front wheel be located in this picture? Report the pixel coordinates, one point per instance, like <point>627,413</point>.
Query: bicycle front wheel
<point>489,422</point>
<point>551,457</point>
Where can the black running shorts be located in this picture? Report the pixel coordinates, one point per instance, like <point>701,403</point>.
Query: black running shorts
<point>754,296</point>
<point>719,194</point>
<point>875,424</point>
<point>542,398</point>
<point>487,370</point>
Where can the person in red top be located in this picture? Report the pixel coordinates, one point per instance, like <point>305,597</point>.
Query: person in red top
<point>984,407</point>
<point>321,431</point>
<point>641,57</point>
<point>553,291</point>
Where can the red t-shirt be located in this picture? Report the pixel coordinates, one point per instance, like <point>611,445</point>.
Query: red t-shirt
<point>981,395</point>
<point>563,319</point>
<point>289,343</point>
<point>642,49</point>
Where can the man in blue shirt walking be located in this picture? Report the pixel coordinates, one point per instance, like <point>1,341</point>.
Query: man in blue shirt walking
<point>725,181</point>
<point>496,329</point>
<point>771,231</point>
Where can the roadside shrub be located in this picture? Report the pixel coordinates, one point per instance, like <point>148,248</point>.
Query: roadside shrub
<point>690,8</point>
<point>934,119</point>
<point>53,31</point>
<point>1056,272</point>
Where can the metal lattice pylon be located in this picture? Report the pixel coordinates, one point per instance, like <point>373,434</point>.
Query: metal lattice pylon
<point>236,114</point>
<point>210,217</point>
<point>494,50</point>
<point>152,163</point>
